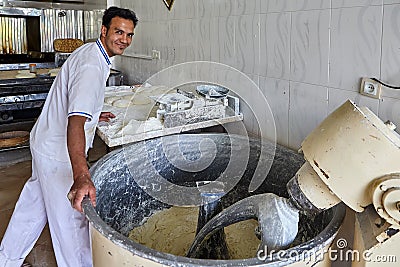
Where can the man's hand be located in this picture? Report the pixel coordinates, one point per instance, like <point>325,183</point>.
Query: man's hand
<point>81,187</point>
<point>106,116</point>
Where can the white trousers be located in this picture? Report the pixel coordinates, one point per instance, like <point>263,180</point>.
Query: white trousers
<point>44,199</point>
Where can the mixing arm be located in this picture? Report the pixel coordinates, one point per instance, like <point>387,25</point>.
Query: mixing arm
<point>278,221</point>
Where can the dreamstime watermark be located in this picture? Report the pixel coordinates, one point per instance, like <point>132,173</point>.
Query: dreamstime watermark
<point>340,253</point>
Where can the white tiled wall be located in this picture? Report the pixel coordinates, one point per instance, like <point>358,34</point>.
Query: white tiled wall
<point>306,56</point>
<point>355,47</point>
<point>310,46</point>
<point>308,106</point>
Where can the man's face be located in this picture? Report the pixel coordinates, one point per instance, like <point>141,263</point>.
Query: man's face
<point>118,37</point>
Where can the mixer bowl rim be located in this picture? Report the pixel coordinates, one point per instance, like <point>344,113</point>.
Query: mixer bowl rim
<point>313,245</point>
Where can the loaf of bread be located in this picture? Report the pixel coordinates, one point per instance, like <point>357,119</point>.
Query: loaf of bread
<point>66,45</point>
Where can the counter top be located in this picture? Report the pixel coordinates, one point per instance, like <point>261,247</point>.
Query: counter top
<point>138,121</point>
<point>126,139</point>
<point>11,74</point>
<point>25,66</point>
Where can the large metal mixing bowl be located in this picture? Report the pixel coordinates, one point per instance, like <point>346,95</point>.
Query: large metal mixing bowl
<point>122,204</point>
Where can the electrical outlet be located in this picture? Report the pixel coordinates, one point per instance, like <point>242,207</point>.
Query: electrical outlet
<point>370,88</point>
<point>155,54</point>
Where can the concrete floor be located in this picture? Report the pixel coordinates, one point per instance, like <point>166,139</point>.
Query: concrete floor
<point>13,177</point>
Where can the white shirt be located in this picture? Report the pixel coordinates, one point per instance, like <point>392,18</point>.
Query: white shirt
<point>78,89</point>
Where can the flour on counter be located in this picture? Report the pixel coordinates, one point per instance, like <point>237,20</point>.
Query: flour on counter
<point>140,100</point>
<point>133,108</point>
<point>122,103</point>
<point>137,127</point>
<point>109,100</point>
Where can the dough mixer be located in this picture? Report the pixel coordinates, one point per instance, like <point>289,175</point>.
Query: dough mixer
<point>351,157</point>
<point>123,203</point>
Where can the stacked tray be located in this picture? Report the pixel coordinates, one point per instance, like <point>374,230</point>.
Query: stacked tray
<point>13,138</point>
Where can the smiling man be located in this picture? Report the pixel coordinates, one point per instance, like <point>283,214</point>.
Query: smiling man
<point>59,143</point>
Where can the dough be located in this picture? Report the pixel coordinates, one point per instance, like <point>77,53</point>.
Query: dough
<point>152,124</point>
<point>132,128</point>
<point>138,99</point>
<point>25,75</point>
<point>109,100</point>
<point>23,71</point>
<point>136,127</point>
<point>139,113</point>
<point>154,90</point>
<point>121,103</point>
<point>54,72</point>
<point>173,230</point>
<point>127,100</point>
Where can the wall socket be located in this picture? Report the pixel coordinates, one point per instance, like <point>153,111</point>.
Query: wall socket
<point>155,54</point>
<point>370,88</point>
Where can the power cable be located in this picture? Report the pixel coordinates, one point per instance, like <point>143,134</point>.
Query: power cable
<point>386,85</point>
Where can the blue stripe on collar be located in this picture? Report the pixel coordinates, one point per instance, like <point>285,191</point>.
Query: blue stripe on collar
<point>103,52</point>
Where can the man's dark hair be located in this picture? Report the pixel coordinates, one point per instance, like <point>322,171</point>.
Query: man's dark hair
<point>114,11</point>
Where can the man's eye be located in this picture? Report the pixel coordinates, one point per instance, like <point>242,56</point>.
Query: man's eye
<point>119,32</point>
<point>130,35</point>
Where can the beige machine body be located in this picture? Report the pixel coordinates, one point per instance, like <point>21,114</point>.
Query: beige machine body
<point>352,156</point>
<point>106,253</point>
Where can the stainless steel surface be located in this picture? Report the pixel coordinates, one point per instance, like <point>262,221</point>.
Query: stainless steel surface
<point>22,99</point>
<point>212,91</point>
<point>13,39</point>
<point>11,102</point>
<point>91,22</point>
<point>56,21</point>
<point>66,1</point>
<point>116,78</point>
<point>42,3</point>
<point>75,5</point>
<point>185,107</point>
<point>19,11</point>
<point>174,101</point>
<point>60,58</point>
<point>26,4</point>
<point>25,66</point>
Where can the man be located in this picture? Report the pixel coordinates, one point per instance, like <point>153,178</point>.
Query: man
<point>59,142</point>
